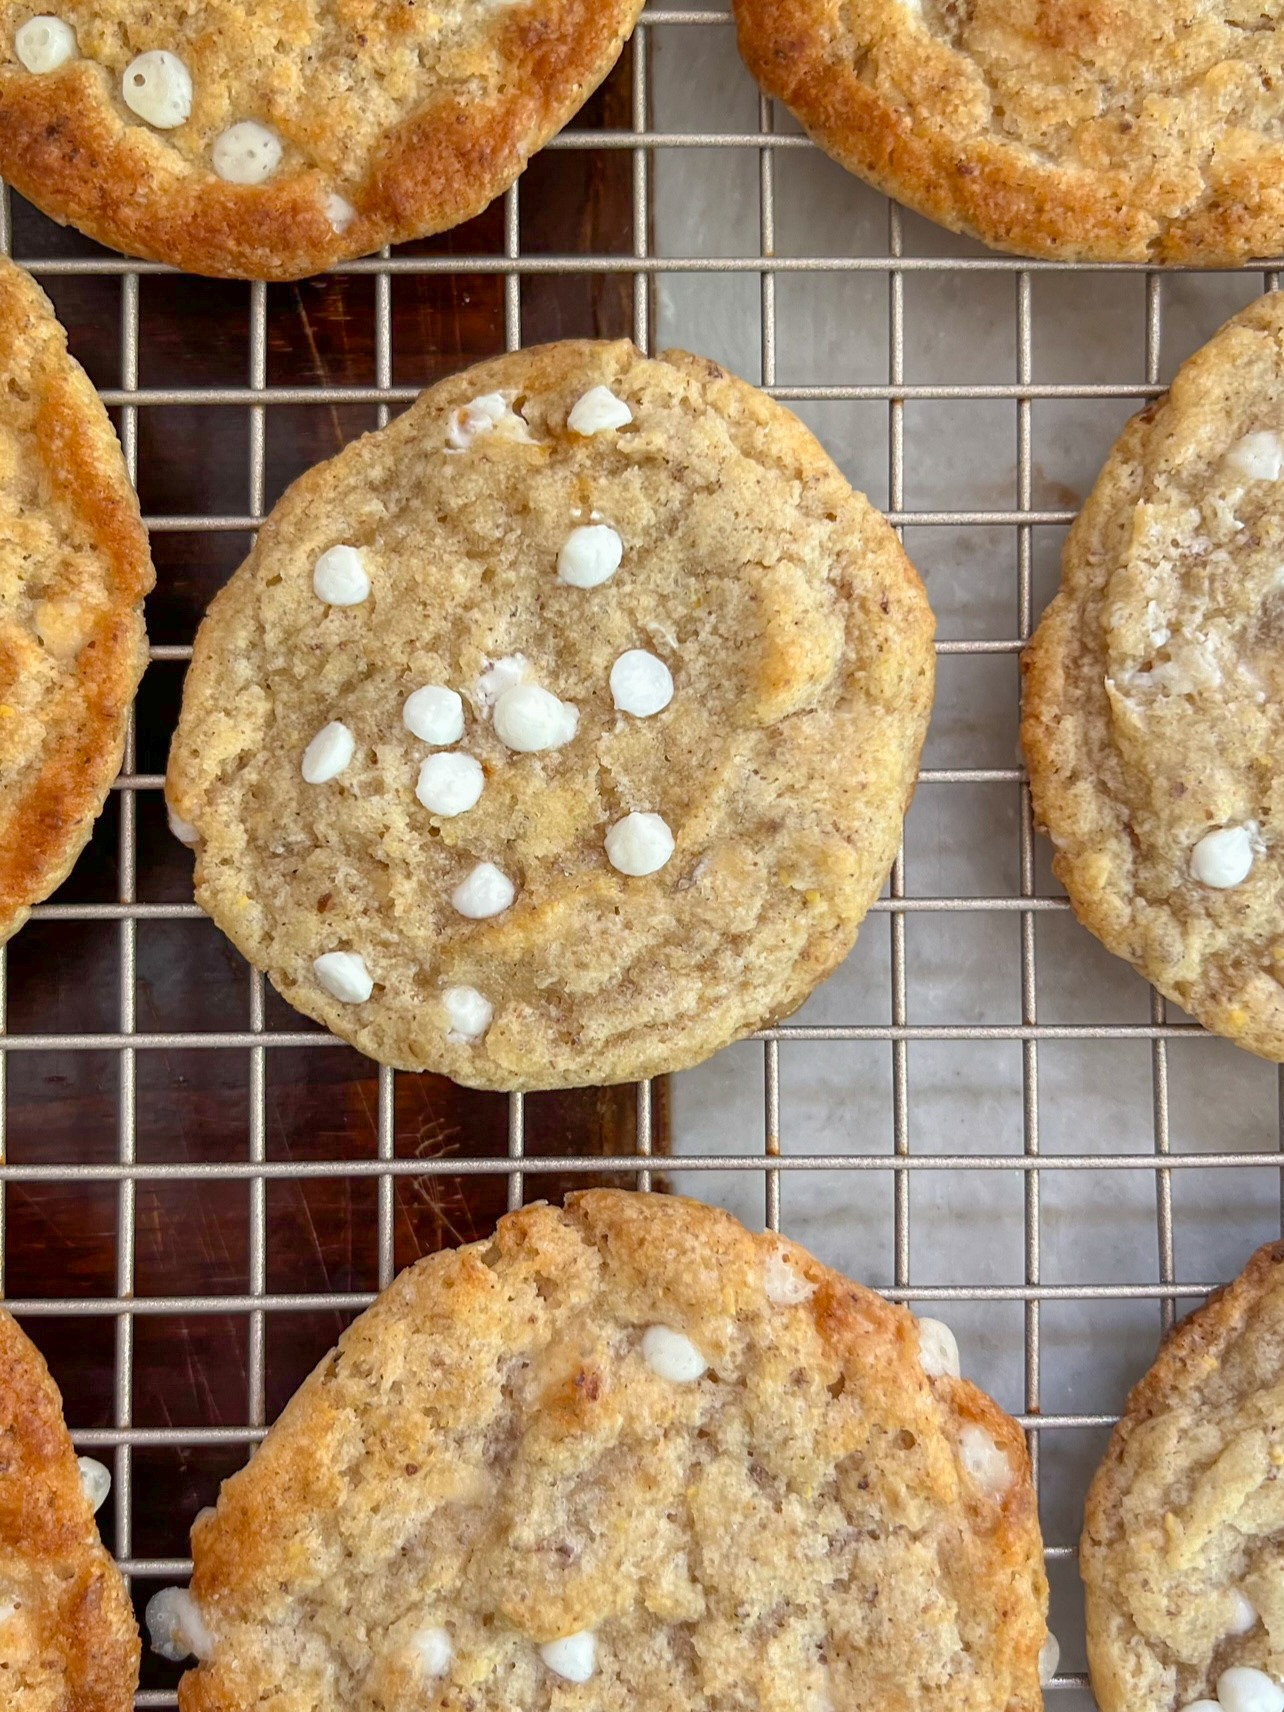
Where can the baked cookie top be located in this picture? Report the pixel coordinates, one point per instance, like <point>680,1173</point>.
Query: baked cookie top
<point>631,1446</point>
<point>1181,1555</point>
<point>560,732</point>
<point>1108,130</point>
<point>273,138</point>
<point>68,1642</point>
<point>1153,721</point>
<point>74,567</point>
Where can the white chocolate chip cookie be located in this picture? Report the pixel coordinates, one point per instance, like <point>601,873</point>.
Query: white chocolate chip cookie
<point>74,567</point>
<point>1182,1560</point>
<point>68,1642</point>
<point>454,782</point>
<point>269,140</point>
<point>597,1462</point>
<point>1154,691</point>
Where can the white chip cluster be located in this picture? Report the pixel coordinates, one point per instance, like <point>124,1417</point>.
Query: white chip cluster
<point>528,719</point>
<point>157,88</point>
<point>1242,1689</point>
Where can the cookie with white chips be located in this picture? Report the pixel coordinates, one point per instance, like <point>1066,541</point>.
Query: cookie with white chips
<point>626,1453</point>
<point>1181,1556</point>
<point>68,1642</point>
<point>1154,691</point>
<point>560,732</point>
<point>267,140</point>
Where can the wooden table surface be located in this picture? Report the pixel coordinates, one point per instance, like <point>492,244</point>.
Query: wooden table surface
<point>190,1372</point>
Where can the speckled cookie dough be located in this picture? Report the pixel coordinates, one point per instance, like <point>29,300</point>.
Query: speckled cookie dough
<point>626,1454</point>
<point>270,140</point>
<point>67,1637</point>
<point>1181,1556</point>
<point>74,567</point>
<point>1154,685</point>
<point>1107,130</point>
<point>538,830</point>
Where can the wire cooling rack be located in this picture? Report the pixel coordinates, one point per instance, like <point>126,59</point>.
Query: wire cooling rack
<point>200,1188</point>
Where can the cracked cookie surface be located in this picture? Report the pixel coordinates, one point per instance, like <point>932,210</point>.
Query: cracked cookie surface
<point>1109,130</point>
<point>1180,1556</point>
<point>74,567</point>
<point>1152,721</point>
<point>596,752</point>
<point>626,1449</point>
<point>270,139</point>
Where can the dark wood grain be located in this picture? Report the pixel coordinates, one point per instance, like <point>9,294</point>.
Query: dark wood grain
<point>190,1371</point>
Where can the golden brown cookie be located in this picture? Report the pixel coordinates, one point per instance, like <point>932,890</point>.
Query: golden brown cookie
<point>1181,1551</point>
<point>1153,724</point>
<point>268,140</point>
<point>623,1454</point>
<point>1107,130</point>
<point>74,567</point>
<point>560,732</point>
<point>68,1642</point>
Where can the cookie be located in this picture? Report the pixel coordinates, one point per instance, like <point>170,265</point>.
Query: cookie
<point>68,1642</point>
<point>268,141</point>
<point>1152,723</point>
<point>1181,1558</point>
<point>1079,129</point>
<point>633,1446</point>
<point>560,732</point>
<point>74,567</point>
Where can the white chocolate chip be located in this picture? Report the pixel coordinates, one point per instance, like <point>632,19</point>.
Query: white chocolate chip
<point>246,153</point>
<point>1202,1706</point>
<point>344,976</point>
<point>1258,456</point>
<point>450,784</point>
<point>1049,1659</point>
<point>434,714</point>
<point>469,1013</point>
<point>484,893</point>
<point>938,1350</point>
<point>95,1482</point>
<point>641,684</point>
<point>158,87</point>
<point>984,1463</point>
<point>599,409</point>
<point>176,1626</point>
<point>433,1651</point>
<point>784,1284</point>
<point>338,211</point>
<point>1223,858</point>
<point>1243,1613</point>
<point>498,676</point>
<point>574,1657</point>
<point>8,1608</point>
<point>339,577</point>
<point>182,829</point>
<point>639,844</point>
<point>328,754</point>
<point>672,1355</point>
<point>529,719</point>
<point>492,413</point>
<point>45,43</point>
<point>1242,1689</point>
<point>590,556</point>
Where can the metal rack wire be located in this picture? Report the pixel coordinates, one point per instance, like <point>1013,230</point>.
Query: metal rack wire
<point>257,1171</point>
